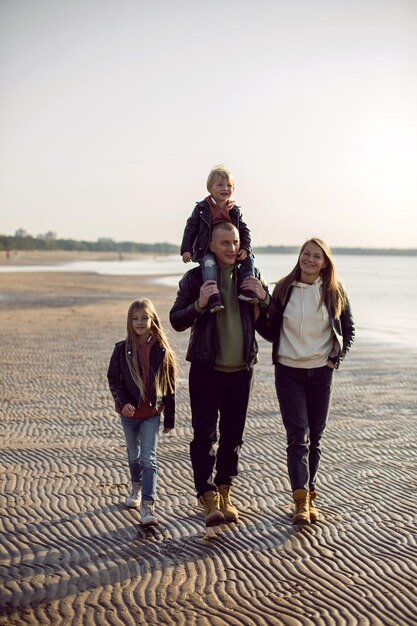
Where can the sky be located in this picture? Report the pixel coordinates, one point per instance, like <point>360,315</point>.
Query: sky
<point>113,112</point>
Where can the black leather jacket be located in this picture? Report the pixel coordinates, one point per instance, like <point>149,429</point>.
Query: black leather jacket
<point>197,231</point>
<point>124,389</point>
<point>269,328</point>
<point>202,347</point>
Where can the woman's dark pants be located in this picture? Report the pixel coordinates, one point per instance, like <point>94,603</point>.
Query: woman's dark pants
<point>217,397</point>
<point>304,397</point>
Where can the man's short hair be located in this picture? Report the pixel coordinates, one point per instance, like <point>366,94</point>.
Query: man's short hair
<point>224,226</point>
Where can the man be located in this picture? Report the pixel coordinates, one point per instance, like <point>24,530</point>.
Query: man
<point>222,351</point>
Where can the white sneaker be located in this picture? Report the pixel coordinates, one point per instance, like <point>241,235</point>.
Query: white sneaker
<point>133,500</point>
<point>147,513</point>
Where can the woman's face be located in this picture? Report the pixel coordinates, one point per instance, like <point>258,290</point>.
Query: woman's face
<point>312,261</point>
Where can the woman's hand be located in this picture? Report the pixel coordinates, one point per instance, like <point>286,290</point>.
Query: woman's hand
<point>331,364</point>
<point>253,284</point>
<point>128,410</point>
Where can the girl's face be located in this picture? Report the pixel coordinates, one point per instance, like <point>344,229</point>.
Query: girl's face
<point>312,261</point>
<point>141,323</point>
<point>221,189</point>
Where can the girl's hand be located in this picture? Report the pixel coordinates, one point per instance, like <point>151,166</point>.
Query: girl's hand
<point>186,257</point>
<point>167,430</point>
<point>242,254</point>
<point>128,410</point>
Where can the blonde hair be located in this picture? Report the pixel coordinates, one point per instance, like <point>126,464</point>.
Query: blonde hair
<point>333,294</point>
<point>222,172</point>
<point>166,374</point>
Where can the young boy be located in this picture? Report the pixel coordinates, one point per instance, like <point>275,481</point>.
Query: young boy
<point>217,207</point>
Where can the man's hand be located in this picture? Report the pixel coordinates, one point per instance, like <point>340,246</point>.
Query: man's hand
<point>253,284</point>
<point>186,257</point>
<point>207,289</point>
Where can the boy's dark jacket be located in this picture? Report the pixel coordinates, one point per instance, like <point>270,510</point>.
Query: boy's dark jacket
<point>124,389</point>
<point>202,346</point>
<point>197,230</point>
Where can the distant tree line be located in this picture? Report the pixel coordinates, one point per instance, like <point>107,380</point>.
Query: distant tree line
<point>27,242</point>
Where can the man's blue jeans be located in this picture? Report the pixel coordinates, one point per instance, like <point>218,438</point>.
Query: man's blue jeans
<point>304,397</point>
<point>141,440</point>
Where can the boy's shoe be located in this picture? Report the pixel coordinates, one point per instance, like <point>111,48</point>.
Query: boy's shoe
<point>133,500</point>
<point>248,296</point>
<point>147,513</point>
<point>211,504</point>
<point>229,511</point>
<point>215,303</point>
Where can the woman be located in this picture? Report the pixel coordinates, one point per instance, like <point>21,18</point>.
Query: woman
<point>141,377</point>
<point>311,328</point>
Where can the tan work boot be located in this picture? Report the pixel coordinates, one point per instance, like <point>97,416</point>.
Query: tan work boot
<point>212,513</point>
<point>314,514</point>
<point>301,501</point>
<point>229,511</point>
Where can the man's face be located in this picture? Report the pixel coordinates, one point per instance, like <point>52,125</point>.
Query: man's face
<point>225,246</point>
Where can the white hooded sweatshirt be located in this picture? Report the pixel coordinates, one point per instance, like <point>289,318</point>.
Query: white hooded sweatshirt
<point>307,337</point>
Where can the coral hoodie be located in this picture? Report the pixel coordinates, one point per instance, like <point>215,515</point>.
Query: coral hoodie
<point>307,337</point>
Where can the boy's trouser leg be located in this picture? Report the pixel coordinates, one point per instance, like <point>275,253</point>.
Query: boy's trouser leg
<point>236,389</point>
<point>247,268</point>
<point>208,266</point>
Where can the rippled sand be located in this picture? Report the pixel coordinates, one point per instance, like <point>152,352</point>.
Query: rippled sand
<point>71,553</point>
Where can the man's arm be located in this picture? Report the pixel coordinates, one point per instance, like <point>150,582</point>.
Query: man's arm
<point>184,311</point>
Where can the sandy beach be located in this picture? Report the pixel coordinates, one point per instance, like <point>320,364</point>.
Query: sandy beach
<point>72,554</point>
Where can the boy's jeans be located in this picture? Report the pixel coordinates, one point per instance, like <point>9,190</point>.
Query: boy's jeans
<point>208,266</point>
<point>141,440</point>
<point>304,397</point>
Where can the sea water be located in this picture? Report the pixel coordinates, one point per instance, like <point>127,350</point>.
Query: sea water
<point>382,289</point>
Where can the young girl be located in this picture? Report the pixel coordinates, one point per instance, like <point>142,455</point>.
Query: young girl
<point>311,328</point>
<point>218,207</point>
<point>141,377</point>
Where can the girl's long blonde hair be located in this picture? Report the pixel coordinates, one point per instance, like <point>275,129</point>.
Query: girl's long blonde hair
<point>333,294</point>
<point>166,374</point>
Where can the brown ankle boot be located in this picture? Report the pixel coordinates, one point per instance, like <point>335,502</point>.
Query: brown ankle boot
<point>211,504</point>
<point>301,501</point>
<point>314,514</point>
<point>229,511</point>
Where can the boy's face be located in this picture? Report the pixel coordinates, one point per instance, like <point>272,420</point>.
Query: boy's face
<point>221,189</point>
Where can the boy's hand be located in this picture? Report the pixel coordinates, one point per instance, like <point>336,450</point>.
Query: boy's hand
<point>207,289</point>
<point>242,254</point>
<point>186,257</point>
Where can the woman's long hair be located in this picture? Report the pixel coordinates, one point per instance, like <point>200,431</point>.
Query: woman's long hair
<point>333,294</point>
<point>166,374</point>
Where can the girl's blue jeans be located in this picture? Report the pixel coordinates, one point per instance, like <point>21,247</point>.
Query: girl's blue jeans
<point>304,397</point>
<point>141,440</point>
